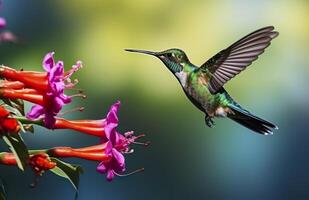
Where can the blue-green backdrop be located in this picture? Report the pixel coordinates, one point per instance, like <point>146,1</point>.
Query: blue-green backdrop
<point>186,159</point>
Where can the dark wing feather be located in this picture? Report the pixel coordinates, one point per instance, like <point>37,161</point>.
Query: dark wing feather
<point>231,61</point>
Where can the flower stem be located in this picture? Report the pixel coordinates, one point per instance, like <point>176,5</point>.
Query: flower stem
<point>25,120</point>
<point>83,126</point>
<point>7,158</point>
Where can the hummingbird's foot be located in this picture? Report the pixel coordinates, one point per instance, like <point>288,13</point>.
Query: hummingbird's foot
<point>209,122</point>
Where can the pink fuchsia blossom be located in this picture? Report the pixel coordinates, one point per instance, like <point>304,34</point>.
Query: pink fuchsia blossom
<point>2,22</point>
<point>49,87</point>
<point>92,127</point>
<point>116,145</point>
<point>54,96</point>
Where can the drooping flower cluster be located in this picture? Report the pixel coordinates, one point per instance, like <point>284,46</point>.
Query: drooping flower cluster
<point>54,97</point>
<point>116,145</point>
<point>47,91</point>
<point>109,153</point>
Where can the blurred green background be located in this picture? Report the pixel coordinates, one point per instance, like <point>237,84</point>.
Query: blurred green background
<point>186,159</point>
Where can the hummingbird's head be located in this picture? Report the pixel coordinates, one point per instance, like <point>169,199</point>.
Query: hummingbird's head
<point>174,59</point>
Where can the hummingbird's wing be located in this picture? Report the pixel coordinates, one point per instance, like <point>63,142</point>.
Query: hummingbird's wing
<point>231,61</point>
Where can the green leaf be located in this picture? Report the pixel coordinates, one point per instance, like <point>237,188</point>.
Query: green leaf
<point>2,192</point>
<point>12,110</point>
<point>26,127</point>
<point>19,105</point>
<point>22,128</point>
<point>68,171</point>
<point>14,105</point>
<point>6,101</point>
<point>18,148</point>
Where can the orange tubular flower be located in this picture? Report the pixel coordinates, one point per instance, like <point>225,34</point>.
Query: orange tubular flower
<point>94,153</point>
<point>36,80</point>
<point>41,158</point>
<point>11,84</point>
<point>91,127</point>
<point>50,86</point>
<point>30,95</point>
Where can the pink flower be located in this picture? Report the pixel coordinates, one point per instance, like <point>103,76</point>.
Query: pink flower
<point>2,22</point>
<point>54,96</point>
<point>116,145</point>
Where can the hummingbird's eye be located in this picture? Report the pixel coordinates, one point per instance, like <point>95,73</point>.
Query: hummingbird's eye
<point>179,56</point>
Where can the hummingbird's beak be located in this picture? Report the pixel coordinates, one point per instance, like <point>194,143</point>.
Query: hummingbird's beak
<point>143,51</point>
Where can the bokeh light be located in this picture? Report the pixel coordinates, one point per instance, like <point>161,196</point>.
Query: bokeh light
<point>186,159</point>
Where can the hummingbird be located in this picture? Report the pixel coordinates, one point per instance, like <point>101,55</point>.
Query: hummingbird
<point>204,85</point>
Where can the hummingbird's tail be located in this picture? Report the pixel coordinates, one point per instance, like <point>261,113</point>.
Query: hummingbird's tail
<point>250,121</point>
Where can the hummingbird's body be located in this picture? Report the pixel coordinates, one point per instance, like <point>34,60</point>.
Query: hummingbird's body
<point>204,85</point>
<point>194,84</point>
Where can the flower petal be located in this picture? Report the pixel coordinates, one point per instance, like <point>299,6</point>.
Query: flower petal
<point>101,168</point>
<point>111,121</point>
<point>35,112</point>
<point>108,148</point>
<point>57,87</point>
<point>57,105</point>
<point>59,68</point>
<point>115,138</point>
<point>112,114</point>
<point>10,125</point>
<point>56,72</point>
<point>74,68</point>
<point>3,112</point>
<point>48,61</point>
<point>2,22</point>
<point>49,120</point>
<point>110,130</point>
<point>110,175</point>
<point>119,158</point>
<point>66,99</point>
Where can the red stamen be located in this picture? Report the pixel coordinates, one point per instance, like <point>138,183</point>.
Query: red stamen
<point>69,83</point>
<point>128,152</point>
<point>79,95</point>
<point>139,143</point>
<point>75,89</point>
<point>142,143</point>
<point>80,109</point>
